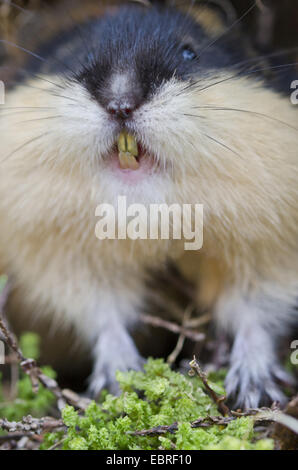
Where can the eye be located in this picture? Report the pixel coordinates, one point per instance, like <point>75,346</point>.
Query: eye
<point>188,53</point>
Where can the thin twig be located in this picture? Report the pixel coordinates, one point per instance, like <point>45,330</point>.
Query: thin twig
<point>173,327</point>
<point>259,414</point>
<point>181,340</point>
<point>171,359</point>
<point>30,426</point>
<point>57,444</point>
<point>218,399</point>
<point>30,367</point>
<point>172,428</point>
<point>198,322</point>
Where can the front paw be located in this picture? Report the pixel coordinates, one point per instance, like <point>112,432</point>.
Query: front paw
<point>249,387</point>
<point>104,374</point>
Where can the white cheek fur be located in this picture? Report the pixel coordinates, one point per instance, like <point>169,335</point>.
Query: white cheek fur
<point>86,124</point>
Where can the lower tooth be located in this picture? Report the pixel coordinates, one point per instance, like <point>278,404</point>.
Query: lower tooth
<point>128,161</point>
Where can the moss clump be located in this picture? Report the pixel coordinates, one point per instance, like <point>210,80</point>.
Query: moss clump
<point>157,396</point>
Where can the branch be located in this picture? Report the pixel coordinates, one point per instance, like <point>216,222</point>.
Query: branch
<point>173,327</point>
<point>198,322</point>
<point>30,426</point>
<point>30,367</point>
<point>258,414</point>
<point>181,340</point>
<point>172,428</point>
<point>218,399</point>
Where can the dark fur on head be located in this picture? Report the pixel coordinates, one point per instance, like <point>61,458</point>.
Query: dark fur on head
<point>152,45</point>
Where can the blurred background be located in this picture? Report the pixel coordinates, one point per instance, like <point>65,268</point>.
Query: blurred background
<point>271,23</point>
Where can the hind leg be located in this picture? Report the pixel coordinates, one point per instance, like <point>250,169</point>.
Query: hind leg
<point>256,323</point>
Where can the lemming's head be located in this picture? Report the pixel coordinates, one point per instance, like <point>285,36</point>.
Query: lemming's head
<point>136,51</point>
<point>146,74</point>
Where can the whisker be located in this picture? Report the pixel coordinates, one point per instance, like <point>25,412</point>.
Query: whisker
<point>17,7</point>
<point>193,115</point>
<point>40,119</point>
<point>26,107</point>
<point>36,56</point>
<point>25,144</point>
<point>16,113</point>
<point>270,55</point>
<point>23,109</point>
<point>239,110</point>
<point>28,72</point>
<point>237,21</point>
<point>50,12</point>
<point>26,85</point>
<point>221,144</point>
<point>241,74</point>
<point>58,95</point>
<point>49,91</point>
<point>48,81</point>
<point>249,61</point>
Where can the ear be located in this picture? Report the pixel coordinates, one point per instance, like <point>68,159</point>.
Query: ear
<point>213,15</point>
<point>223,8</point>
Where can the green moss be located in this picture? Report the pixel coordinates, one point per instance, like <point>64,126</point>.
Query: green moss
<point>30,345</point>
<point>157,396</point>
<point>3,282</point>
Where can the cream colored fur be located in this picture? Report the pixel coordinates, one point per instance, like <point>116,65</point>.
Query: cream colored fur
<point>242,166</point>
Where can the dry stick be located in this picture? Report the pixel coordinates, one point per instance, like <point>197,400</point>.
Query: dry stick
<point>14,360</point>
<point>198,322</point>
<point>259,414</point>
<point>198,423</point>
<point>218,399</point>
<point>177,350</point>
<point>173,327</point>
<point>31,426</point>
<point>57,444</point>
<point>169,306</point>
<point>30,367</point>
<point>181,340</point>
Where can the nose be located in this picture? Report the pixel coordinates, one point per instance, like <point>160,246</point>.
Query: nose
<point>123,95</point>
<point>121,109</point>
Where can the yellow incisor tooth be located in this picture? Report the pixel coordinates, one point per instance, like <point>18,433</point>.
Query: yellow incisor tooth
<point>128,143</point>
<point>128,161</point>
<point>128,150</point>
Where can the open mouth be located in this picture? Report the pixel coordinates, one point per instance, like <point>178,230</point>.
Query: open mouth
<point>129,152</point>
<point>132,155</point>
<point>130,160</point>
